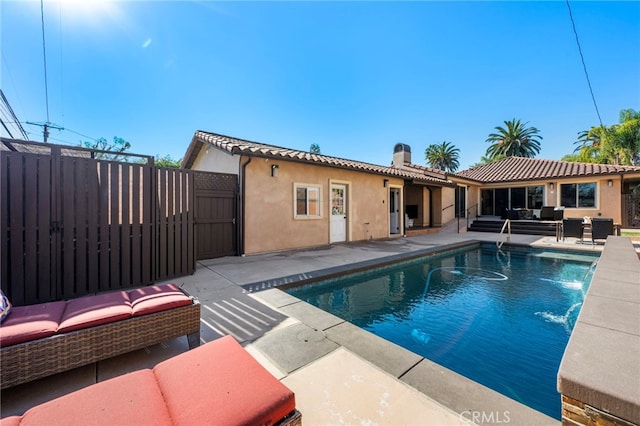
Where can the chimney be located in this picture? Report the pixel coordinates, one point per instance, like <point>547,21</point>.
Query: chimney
<point>401,154</point>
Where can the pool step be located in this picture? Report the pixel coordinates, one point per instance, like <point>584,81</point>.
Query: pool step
<point>530,227</point>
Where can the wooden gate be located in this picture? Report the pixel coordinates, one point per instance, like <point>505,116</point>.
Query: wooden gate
<point>216,206</point>
<point>72,225</point>
<point>631,210</point>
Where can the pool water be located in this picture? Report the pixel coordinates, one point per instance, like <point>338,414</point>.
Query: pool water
<point>499,317</point>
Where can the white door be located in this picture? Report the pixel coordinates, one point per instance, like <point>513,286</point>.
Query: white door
<point>394,211</point>
<point>338,214</point>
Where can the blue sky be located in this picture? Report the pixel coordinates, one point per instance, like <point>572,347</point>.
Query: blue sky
<point>353,77</point>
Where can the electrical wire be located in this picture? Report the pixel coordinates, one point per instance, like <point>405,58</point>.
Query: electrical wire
<point>584,66</point>
<point>44,54</point>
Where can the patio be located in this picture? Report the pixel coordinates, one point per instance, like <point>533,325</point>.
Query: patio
<point>339,373</point>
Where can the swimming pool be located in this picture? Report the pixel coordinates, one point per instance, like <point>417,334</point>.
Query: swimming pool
<point>499,317</point>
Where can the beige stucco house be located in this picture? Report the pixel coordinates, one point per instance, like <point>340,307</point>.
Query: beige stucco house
<point>289,199</point>
<point>580,189</point>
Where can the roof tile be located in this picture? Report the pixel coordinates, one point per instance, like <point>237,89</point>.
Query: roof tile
<point>513,169</point>
<point>240,146</point>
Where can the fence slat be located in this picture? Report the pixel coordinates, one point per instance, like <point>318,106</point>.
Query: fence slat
<point>136,229</point>
<point>171,214</point>
<point>30,234</point>
<point>104,263</point>
<point>162,224</point>
<point>4,221</point>
<point>16,218</point>
<point>93,223</point>
<point>114,225</point>
<point>81,209</point>
<point>46,280</point>
<point>68,216</point>
<point>149,193</point>
<point>125,228</point>
<point>184,218</point>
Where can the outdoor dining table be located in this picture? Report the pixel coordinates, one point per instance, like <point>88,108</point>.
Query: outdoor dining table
<point>586,226</point>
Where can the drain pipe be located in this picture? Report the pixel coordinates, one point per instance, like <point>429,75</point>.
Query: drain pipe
<point>243,174</point>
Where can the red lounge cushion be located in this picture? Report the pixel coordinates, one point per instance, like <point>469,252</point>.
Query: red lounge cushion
<point>132,399</point>
<point>91,311</point>
<point>219,383</point>
<point>10,421</point>
<point>31,322</point>
<point>149,300</point>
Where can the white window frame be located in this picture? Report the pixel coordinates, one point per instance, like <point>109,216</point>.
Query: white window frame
<point>309,188</point>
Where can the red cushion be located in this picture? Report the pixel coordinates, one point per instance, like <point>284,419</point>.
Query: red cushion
<point>157,298</point>
<point>219,383</point>
<point>90,311</point>
<point>10,421</point>
<point>31,322</point>
<point>132,399</point>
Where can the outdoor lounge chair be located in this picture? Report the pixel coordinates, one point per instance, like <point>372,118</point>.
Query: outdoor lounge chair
<point>546,213</point>
<point>572,227</point>
<point>601,228</point>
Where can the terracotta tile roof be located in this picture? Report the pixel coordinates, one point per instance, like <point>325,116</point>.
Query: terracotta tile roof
<point>245,147</point>
<point>513,169</point>
<point>429,171</point>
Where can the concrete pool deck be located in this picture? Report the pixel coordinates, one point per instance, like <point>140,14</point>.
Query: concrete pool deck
<point>340,373</point>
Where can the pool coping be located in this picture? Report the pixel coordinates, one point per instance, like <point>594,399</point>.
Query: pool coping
<point>472,401</point>
<point>601,363</point>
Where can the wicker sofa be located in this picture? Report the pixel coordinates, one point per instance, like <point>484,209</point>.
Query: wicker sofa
<point>218,383</point>
<point>44,339</point>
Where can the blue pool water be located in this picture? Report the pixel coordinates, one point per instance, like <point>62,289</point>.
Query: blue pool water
<point>499,317</point>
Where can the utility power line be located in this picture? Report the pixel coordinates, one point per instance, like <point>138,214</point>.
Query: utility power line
<point>8,117</point>
<point>44,55</point>
<point>584,66</point>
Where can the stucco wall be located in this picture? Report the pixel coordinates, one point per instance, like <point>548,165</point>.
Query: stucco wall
<point>214,160</point>
<point>448,204</point>
<point>269,205</point>
<point>473,201</point>
<point>608,199</point>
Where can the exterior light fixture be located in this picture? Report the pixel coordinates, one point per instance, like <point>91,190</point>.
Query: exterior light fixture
<point>385,183</point>
<point>551,186</point>
<point>610,183</point>
<point>274,170</point>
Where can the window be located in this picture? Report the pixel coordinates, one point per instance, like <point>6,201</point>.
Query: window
<point>578,195</point>
<point>518,198</point>
<point>307,201</point>
<point>534,197</point>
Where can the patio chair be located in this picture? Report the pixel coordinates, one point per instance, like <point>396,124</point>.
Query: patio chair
<point>546,213</point>
<point>558,213</point>
<point>601,228</point>
<point>572,227</point>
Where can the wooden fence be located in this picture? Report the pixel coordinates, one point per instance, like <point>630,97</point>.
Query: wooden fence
<point>73,225</point>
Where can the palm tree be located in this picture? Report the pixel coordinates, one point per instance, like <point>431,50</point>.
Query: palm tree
<point>514,140</point>
<point>443,156</point>
<point>615,144</point>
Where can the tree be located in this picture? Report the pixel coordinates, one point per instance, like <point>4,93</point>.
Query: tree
<point>167,161</point>
<point>616,144</point>
<point>486,160</point>
<point>315,148</point>
<point>515,139</point>
<point>443,156</point>
<point>117,147</point>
